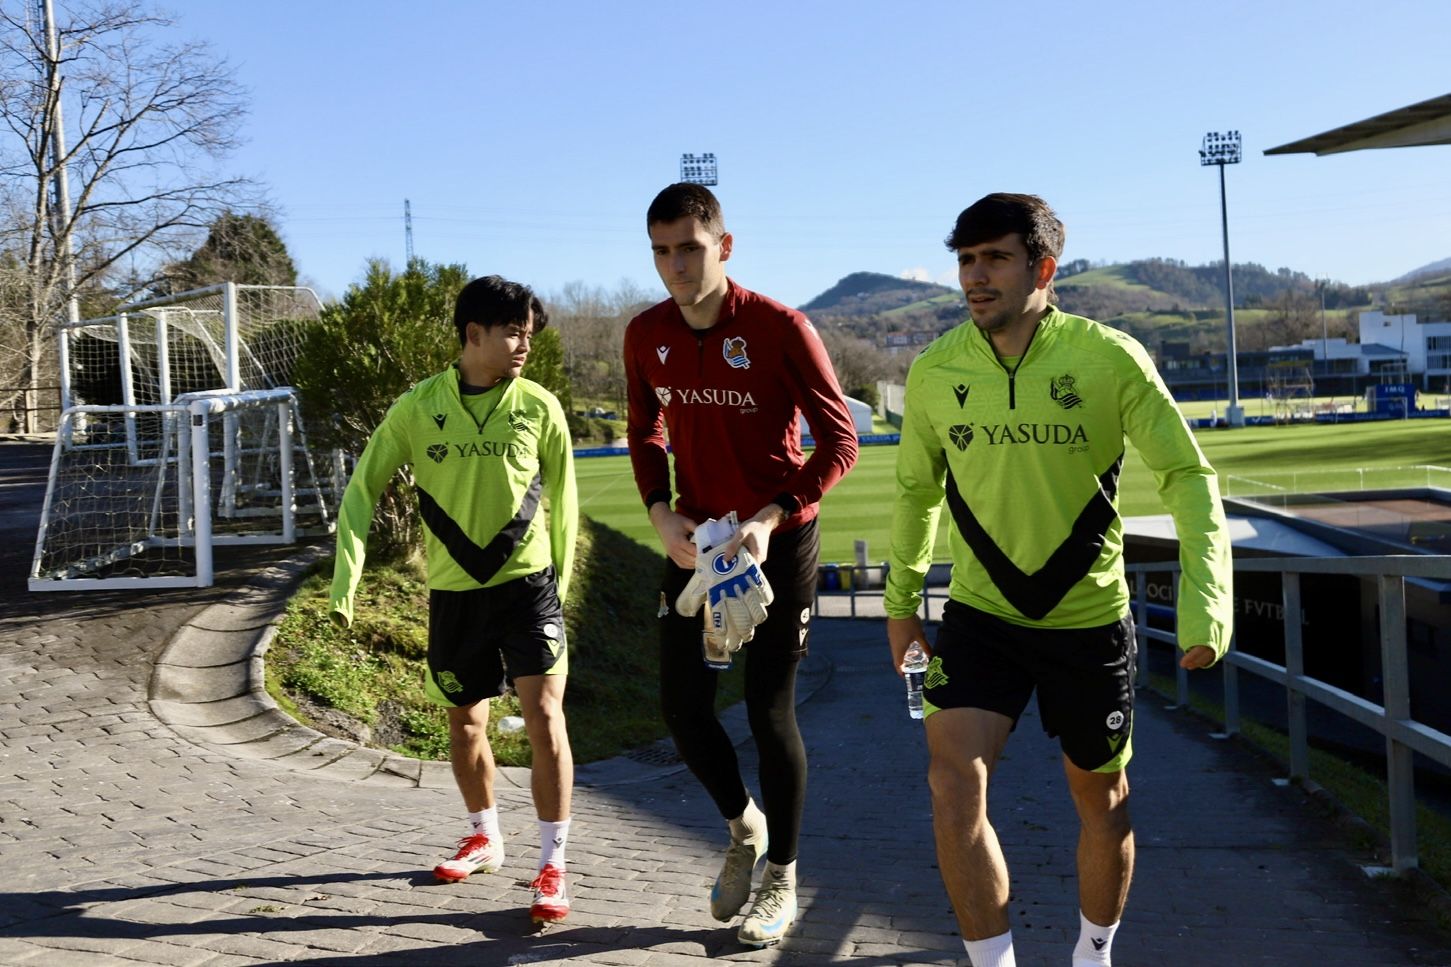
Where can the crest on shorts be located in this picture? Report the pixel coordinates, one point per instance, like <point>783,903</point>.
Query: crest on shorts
<point>935,677</point>
<point>1061,389</point>
<point>449,682</point>
<point>733,348</point>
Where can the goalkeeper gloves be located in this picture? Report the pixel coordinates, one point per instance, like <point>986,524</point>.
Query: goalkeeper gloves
<point>737,591</point>
<point>738,594</point>
<point>707,536</point>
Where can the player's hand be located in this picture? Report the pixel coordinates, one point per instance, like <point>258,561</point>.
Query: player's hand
<point>705,538</point>
<point>1199,656</point>
<point>738,594</point>
<point>674,530</point>
<point>901,632</point>
<point>755,533</point>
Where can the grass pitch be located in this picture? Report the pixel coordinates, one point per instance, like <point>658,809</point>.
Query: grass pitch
<point>860,507</point>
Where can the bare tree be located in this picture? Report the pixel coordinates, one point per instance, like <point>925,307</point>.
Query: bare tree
<point>145,126</point>
<point>1294,316</point>
<point>859,364</point>
<point>591,322</point>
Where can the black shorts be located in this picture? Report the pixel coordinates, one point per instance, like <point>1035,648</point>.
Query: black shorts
<point>1084,678</point>
<point>481,640</point>
<point>791,570</point>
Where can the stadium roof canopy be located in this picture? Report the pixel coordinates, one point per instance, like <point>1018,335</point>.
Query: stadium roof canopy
<point>1428,122</point>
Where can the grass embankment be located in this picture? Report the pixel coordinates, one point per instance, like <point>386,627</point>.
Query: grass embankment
<point>372,673</point>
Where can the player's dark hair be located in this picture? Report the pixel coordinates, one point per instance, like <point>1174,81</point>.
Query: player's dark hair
<point>495,301</point>
<point>1005,213</point>
<point>687,200</point>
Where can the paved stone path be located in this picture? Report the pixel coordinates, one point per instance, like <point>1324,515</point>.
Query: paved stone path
<point>130,833</point>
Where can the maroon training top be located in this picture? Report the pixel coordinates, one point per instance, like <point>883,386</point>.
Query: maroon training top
<point>728,397</point>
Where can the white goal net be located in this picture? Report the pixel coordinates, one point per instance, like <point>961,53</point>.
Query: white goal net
<point>179,432</point>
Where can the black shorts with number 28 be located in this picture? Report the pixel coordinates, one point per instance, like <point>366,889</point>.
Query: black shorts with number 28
<point>1084,678</point>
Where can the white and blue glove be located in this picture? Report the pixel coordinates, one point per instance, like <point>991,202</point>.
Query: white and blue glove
<point>738,594</point>
<point>707,536</point>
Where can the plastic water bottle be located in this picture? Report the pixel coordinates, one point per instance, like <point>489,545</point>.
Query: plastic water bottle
<point>914,668</point>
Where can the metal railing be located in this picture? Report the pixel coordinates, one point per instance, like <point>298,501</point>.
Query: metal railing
<point>1392,719</point>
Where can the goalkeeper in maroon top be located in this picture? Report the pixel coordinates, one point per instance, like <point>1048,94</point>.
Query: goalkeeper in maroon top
<point>722,373</point>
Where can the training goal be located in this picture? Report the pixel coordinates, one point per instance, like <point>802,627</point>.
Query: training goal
<point>179,432</point>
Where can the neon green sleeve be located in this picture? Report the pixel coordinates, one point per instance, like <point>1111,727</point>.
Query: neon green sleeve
<point>1189,488</point>
<point>921,472</point>
<point>556,459</point>
<point>385,453</point>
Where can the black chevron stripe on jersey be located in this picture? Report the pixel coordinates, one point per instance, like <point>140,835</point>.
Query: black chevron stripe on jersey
<point>481,563</point>
<point>1038,593</point>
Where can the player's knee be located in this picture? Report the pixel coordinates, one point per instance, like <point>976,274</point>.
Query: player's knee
<point>958,784</point>
<point>1103,806</point>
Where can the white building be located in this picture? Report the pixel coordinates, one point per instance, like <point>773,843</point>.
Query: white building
<point>1395,347</point>
<point>1427,345</point>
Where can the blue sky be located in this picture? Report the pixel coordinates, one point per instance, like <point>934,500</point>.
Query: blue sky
<point>531,137</point>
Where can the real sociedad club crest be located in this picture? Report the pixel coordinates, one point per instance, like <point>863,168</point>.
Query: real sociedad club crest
<point>734,351</point>
<point>662,393</point>
<point>1061,389</point>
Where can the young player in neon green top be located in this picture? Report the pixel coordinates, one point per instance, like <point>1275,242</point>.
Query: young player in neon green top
<point>1018,423</point>
<point>486,446</point>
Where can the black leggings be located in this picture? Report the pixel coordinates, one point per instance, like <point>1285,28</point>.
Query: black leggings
<point>688,688</point>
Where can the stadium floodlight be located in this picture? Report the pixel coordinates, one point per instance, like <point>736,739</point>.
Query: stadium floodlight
<point>698,169</point>
<point>1220,150</point>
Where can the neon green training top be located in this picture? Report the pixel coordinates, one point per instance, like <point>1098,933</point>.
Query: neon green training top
<point>479,480</point>
<point>1027,457</point>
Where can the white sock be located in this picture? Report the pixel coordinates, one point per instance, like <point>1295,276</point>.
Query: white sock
<point>749,826</point>
<point>992,951</point>
<point>552,837</point>
<point>485,821</point>
<point>775,871</point>
<point>1094,943</point>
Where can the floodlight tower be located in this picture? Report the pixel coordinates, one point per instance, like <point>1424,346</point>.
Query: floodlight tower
<point>1223,149</point>
<point>698,169</point>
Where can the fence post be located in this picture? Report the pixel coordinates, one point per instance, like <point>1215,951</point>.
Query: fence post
<point>1294,673</point>
<point>1400,771</point>
<point>1141,619</point>
<point>1231,694</point>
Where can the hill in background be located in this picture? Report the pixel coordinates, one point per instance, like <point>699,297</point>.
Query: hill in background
<point>1155,300</point>
<point>866,293</point>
